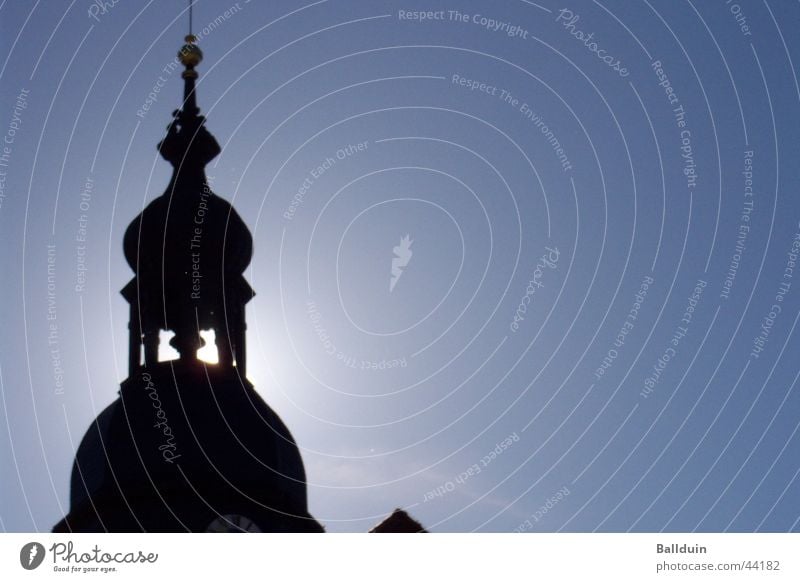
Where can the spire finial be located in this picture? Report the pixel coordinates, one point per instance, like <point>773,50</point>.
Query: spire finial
<point>190,56</point>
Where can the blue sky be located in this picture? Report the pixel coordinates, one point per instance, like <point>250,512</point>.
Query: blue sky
<point>580,183</point>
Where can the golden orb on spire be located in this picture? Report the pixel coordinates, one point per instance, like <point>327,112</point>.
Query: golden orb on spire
<point>190,54</point>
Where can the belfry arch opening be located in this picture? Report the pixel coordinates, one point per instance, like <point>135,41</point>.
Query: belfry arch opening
<point>208,353</point>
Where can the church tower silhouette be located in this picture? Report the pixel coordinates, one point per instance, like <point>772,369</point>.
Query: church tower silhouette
<point>188,446</point>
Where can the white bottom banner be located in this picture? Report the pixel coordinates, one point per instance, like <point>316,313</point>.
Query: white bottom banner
<point>118,557</point>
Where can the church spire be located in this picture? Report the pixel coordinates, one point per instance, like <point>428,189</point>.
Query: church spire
<point>189,276</point>
<point>188,146</point>
<point>188,447</point>
<point>190,56</point>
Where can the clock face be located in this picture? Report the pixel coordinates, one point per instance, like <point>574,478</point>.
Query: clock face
<point>233,523</point>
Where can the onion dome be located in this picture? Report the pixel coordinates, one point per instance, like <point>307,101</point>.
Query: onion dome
<point>188,248</point>
<point>181,448</point>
